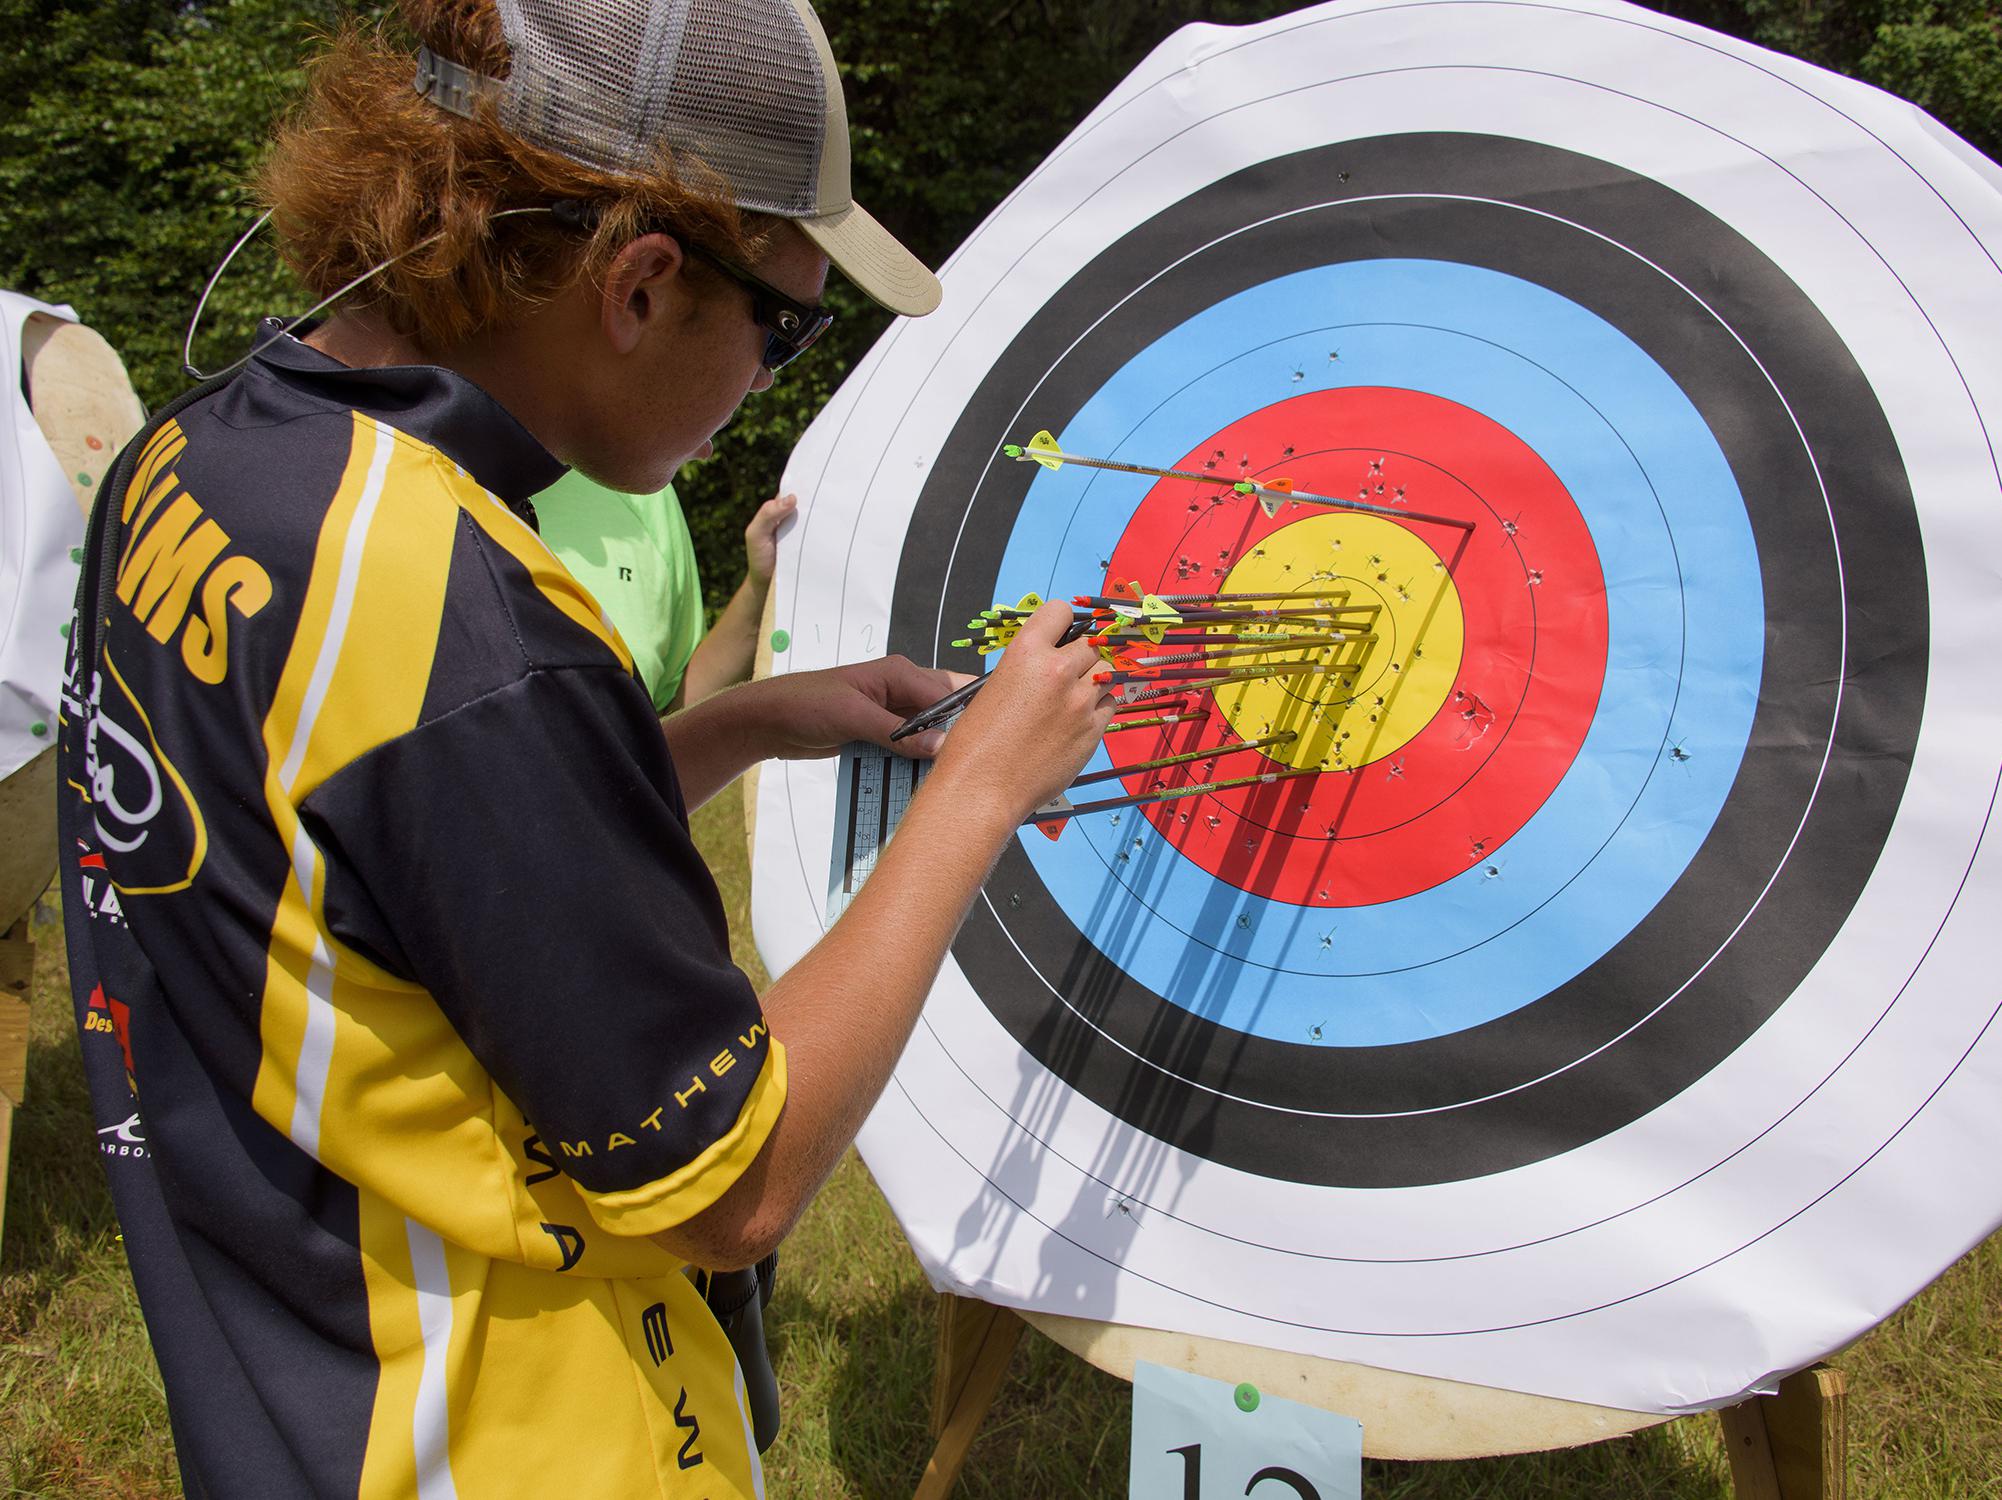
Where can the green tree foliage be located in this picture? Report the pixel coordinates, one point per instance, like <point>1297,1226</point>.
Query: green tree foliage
<point>122,164</point>
<point>1945,57</point>
<point>131,125</point>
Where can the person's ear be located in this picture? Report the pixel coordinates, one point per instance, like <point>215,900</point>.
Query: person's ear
<point>645,288</point>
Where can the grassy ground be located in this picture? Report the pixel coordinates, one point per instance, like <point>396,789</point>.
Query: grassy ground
<point>81,1412</point>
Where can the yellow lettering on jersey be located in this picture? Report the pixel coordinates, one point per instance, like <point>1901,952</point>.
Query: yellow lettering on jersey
<point>751,1038</point>
<point>235,583</point>
<point>652,1121</point>
<point>722,1063</point>
<point>619,1139</point>
<point>163,564</point>
<point>162,488</point>
<point>581,1148</point>
<point>695,1086</point>
<point>161,452</point>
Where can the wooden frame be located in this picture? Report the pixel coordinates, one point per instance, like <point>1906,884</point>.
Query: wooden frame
<point>1792,1445</point>
<point>17,968</point>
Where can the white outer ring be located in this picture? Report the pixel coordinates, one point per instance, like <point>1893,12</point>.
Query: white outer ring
<point>1843,212</point>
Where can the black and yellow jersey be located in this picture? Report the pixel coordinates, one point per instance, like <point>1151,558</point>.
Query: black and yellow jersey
<point>406,999</point>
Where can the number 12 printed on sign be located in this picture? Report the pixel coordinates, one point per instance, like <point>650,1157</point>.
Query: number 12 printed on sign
<point>1200,1439</point>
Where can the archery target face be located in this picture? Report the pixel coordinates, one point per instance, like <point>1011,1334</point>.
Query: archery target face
<point>1609,986</point>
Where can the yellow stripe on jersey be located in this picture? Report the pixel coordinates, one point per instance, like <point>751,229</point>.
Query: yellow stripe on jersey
<point>683,1193</point>
<point>354,677</point>
<point>383,580</point>
<point>422,1297</point>
<point>633,1378</point>
<point>550,576</point>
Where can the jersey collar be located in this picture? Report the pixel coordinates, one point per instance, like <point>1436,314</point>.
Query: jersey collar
<point>429,403</point>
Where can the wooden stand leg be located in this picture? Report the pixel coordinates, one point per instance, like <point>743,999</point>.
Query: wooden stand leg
<point>975,1340</point>
<point>17,965</point>
<point>1794,1444</point>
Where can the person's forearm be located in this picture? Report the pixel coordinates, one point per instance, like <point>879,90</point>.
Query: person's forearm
<point>845,1010</point>
<point>726,655</point>
<point>715,741</point>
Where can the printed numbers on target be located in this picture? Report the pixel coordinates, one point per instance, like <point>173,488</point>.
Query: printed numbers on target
<point>1200,1439</point>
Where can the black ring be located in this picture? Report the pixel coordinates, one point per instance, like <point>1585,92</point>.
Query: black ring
<point>1463,1105</point>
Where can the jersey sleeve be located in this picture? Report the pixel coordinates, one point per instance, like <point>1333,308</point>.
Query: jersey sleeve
<point>526,859</point>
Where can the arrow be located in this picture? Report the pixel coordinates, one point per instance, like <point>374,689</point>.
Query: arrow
<point>1214,752</point>
<point>1042,449</point>
<point>1194,718</point>
<point>1053,817</point>
<point>1221,674</point>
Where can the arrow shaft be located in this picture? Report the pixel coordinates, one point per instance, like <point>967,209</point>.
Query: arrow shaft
<point>1224,655</point>
<point>1194,718</point>
<point>1218,674</point>
<point>1169,794</point>
<point>1187,757</point>
<point>1030,455</point>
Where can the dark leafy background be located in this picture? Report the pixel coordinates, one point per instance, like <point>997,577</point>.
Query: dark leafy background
<point>129,126</point>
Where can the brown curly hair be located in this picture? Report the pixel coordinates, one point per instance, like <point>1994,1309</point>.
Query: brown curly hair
<point>366,169</point>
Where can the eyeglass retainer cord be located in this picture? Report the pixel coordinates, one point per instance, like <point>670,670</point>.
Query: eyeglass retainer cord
<point>188,346</point>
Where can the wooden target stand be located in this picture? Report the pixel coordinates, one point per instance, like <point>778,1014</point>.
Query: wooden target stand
<point>86,408</point>
<point>1791,1445</point>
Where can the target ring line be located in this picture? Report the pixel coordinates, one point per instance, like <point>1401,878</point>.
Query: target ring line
<point>1392,692</point>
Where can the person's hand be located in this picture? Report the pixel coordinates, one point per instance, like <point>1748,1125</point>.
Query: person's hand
<point>1030,730</point>
<point>761,538</point>
<point>807,714</point>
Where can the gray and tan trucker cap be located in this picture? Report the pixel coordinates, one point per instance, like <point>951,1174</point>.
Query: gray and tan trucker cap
<point>747,86</point>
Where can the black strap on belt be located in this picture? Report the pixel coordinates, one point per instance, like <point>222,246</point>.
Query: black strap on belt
<point>738,1300</point>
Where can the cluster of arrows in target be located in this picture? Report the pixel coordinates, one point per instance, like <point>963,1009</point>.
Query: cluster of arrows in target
<point>1164,652</point>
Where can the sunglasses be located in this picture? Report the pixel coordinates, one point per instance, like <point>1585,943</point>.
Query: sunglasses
<point>791,328</point>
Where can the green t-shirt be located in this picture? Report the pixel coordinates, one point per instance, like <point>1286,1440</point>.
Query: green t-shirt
<point>634,553</point>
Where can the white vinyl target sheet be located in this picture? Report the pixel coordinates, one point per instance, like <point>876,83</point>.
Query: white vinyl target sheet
<point>1611,1016</point>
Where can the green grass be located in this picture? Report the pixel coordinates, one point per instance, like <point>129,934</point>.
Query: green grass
<point>81,1410</point>
<point>852,1331</point>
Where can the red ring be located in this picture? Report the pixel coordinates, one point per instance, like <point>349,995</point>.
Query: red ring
<point>1530,675</point>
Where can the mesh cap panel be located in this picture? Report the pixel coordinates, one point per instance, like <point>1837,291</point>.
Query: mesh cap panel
<point>748,87</point>
<point>736,82</point>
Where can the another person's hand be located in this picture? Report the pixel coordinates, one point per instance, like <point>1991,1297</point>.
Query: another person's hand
<point>1030,730</point>
<point>761,538</point>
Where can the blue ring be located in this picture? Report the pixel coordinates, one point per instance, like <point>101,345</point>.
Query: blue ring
<point>1674,543</point>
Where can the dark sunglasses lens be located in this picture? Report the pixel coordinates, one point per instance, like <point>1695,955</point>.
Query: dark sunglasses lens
<point>781,349</point>
<point>778,353</point>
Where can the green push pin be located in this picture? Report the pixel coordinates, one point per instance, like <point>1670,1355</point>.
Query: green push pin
<point>781,639</point>
<point>76,554</point>
<point>1246,1397</point>
<point>64,630</point>
<point>39,730</point>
